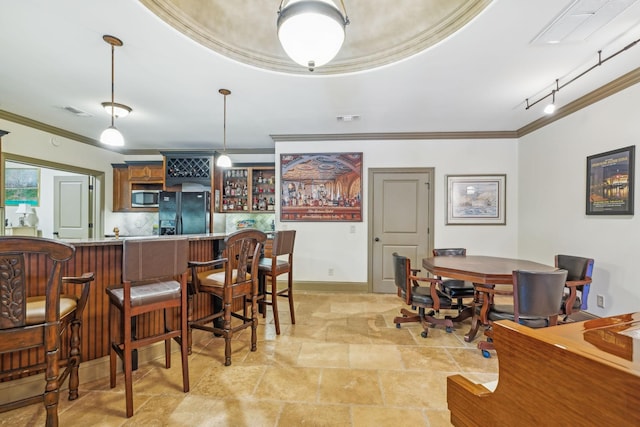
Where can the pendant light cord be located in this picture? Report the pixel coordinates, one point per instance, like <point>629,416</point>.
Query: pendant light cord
<point>112,83</point>
<point>224,125</point>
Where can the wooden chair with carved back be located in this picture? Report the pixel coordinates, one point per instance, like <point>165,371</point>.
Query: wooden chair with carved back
<point>234,276</point>
<point>41,316</point>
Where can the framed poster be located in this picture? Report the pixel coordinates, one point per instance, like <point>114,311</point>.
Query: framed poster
<point>476,199</point>
<point>22,185</point>
<point>321,187</point>
<point>610,178</point>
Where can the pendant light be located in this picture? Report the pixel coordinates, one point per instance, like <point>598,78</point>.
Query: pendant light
<point>224,161</point>
<point>111,135</point>
<point>311,32</point>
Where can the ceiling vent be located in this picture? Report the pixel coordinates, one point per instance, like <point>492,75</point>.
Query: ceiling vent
<point>581,19</point>
<point>348,118</point>
<point>75,111</point>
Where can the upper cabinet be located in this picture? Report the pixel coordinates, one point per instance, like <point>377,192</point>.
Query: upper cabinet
<point>188,167</point>
<point>131,176</point>
<point>247,189</point>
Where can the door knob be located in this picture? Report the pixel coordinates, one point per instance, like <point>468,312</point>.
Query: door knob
<point>377,239</point>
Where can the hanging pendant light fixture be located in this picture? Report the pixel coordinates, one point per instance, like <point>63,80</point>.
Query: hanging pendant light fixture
<point>311,32</point>
<point>111,135</point>
<point>224,161</point>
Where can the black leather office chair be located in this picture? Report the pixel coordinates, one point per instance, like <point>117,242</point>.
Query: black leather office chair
<point>457,290</point>
<point>422,297</point>
<point>536,298</point>
<point>578,283</point>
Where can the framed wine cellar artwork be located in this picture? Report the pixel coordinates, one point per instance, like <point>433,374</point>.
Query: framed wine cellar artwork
<point>321,187</point>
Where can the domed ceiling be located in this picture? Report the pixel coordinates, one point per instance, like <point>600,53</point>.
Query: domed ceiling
<point>380,32</point>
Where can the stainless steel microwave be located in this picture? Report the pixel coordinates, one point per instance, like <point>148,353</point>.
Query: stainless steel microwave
<point>144,198</point>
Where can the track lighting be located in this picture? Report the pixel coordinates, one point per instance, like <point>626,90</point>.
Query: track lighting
<point>551,108</point>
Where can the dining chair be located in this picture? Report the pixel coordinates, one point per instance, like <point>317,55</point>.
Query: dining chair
<point>272,267</point>
<point>456,289</point>
<point>578,283</point>
<point>420,297</point>
<point>234,276</point>
<point>536,296</point>
<point>154,279</point>
<point>40,320</point>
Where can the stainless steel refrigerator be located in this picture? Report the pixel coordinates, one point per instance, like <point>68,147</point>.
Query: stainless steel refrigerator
<point>184,212</point>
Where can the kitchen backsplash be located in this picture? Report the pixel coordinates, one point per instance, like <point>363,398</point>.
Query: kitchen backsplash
<point>261,221</point>
<point>146,223</point>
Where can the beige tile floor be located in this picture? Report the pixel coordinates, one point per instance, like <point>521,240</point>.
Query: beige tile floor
<point>344,363</point>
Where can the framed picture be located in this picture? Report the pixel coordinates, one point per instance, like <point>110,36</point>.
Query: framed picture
<point>22,185</point>
<point>476,199</point>
<point>610,181</point>
<point>321,187</point>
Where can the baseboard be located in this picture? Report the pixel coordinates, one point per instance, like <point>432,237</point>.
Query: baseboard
<point>327,286</point>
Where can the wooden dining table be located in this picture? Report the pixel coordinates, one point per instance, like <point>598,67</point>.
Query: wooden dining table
<point>480,270</point>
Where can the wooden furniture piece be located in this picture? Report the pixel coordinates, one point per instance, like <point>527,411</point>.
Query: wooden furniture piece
<point>581,373</point>
<point>135,175</point>
<point>150,268</point>
<point>422,297</point>
<point>578,281</point>
<point>41,314</point>
<point>104,258</point>
<point>247,189</point>
<point>233,276</point>
<point>272,266</point>
<point>456,289</point>
<point>478,269</point>
<point>21,231</point>
<point>536,295</point>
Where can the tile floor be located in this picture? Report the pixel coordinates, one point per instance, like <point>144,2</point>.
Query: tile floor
<point>344,363</point>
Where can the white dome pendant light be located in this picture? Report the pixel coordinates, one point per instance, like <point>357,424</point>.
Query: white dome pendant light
<point>111,135</point>
<point>311,32</point>
<point>224,161</point>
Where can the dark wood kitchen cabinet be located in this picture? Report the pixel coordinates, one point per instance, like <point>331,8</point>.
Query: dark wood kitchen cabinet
<point>131,176</point>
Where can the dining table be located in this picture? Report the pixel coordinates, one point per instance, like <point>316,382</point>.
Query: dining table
<point>481,270</point>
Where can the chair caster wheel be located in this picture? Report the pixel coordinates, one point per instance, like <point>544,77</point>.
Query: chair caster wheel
<point>486,354</point>
<point>398,325</point>
<point>489,339</point>
<point>423,334</point>
<point>449,329</point>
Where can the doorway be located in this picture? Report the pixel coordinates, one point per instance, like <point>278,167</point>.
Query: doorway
<point>401,218</point>
<point>42,204</point>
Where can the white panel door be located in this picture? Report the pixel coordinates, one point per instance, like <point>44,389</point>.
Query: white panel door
<point>71,207</point>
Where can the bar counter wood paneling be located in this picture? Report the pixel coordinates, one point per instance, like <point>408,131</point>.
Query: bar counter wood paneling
<point>104,259</point>
<point>583,373</point>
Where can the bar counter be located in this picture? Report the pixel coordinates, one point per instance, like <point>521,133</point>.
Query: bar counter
<point>103,257</point>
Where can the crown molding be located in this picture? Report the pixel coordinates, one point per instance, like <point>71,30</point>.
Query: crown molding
<point>393,135</point>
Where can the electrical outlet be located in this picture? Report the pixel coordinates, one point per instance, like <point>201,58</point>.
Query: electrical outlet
<point>600,301</point>
<point>330,272</point>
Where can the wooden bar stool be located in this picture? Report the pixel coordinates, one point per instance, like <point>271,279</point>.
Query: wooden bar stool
<point>273,267</point>
<point>149,271</point>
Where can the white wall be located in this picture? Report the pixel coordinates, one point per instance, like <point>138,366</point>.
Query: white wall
<point>324,245</point>
<point>29,142</point>
<point>552,199</point>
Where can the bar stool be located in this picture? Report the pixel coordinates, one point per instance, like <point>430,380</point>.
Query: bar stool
<point>273,267</point>
<point>149,271</point>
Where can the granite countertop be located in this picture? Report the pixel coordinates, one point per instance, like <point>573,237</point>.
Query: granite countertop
<point>111,240</point>
<point>107,241</point>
